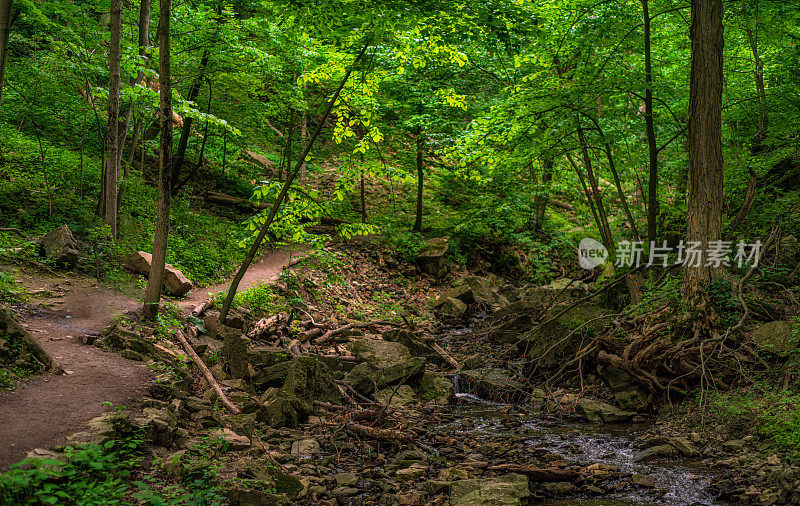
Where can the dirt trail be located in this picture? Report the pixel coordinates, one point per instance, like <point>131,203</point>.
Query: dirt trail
<point>266,269</point>
<point>44,411</point>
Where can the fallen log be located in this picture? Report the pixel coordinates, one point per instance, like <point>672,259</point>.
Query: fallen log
<point>559,204</point>
<point>203,307</point>
<point>206,373</point>
<point>390,435</point>
<point>229,200</point>
<point>446,356</point>
<point>350,326</point>
<point>263,326</point>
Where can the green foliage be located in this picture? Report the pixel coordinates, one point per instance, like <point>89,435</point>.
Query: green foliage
<point>775,415</point>
<point>10,291</point>
<point>259,298</point>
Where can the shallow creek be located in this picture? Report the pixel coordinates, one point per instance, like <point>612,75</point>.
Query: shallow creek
<point>678,482</point>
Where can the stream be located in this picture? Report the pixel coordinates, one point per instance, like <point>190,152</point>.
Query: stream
<point>679,482</point>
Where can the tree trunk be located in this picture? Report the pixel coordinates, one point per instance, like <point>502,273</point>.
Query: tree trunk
<point>5,30</point>
<point>303,136</point>
<point>761,132</point>
<point>154,283</point>
<point>112,144</point>
<point>705,187</point>
<point>180,154</point>
<point>652,186</point>
<point>541,198</point>
<point>605,228</point>
<point>251,253</point>
<point>144,42</point>
<point>420,181</point>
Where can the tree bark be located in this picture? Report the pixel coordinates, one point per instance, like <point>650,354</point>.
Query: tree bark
<point>652,186</point>
<point>541,198</point>
<point>251,253</point>
<point>420,181</point>
<point>761,132</point>
<point>154,283</point>
<point>705,187</point>
<point>112,143</point>
<point>180,154</point>
<point>605,228</point>
<point>5,29</point>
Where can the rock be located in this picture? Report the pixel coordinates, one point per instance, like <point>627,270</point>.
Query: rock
<point>734,445</point>
<point>305,448</point>
<point>60,245</point>
<point>436,388</point>
<point>234,440</point>
<point>234,351</point>
<point>268,474</point>
<point>505,490</point>
<point>654,452</point>
<point>641,480</point>
<point>412,473</point>
<point>435,487</point>
<point>345,479</point>
<point>567,285</point>
<point>402,395</point>
<point>686,448</point>
<point>174,281</point>
<point>174,464</point>
<point>387,363</point>
<point>558,487</point>
<point>343,493</point>
<point>159,425</point>
<point>492,384</point>
<point>775,337</point>
<point>452,308</point>
<point>596,411</point>
<point>431,260</point>
<point>462,293</point>
<point>306,379</point>
<point>407,457</point>
<point>416,346</point>
<point>629,395</point>
<point>379,353</point>
<point>482,290</point>
<point>547,346</point>
<point>241,496</point>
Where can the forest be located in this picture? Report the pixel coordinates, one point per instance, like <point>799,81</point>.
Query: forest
<point>339,252</point>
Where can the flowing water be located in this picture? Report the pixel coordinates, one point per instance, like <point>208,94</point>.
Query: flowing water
<point>677,483</point>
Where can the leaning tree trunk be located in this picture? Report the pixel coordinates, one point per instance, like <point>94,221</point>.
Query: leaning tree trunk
<point>13,331</point>
<point>705,187</point>
<point>112,146</point>
<point>5,30</point>
<point>155,281</point>
<point>251,253</point>
<point>420,181</point>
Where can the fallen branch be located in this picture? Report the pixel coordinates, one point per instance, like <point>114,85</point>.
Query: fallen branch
<point>203,307</point>
<point>446,356</point>
<point>206,373</point>
<point>350,326</point>
<point>393,436</point>
<point>263,326</point>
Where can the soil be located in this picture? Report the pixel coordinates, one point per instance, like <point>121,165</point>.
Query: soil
<point>44,411</point>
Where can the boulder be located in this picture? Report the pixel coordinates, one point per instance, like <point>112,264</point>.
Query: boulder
<point>492,384</point>
<point>629,395</point>
<point>597,411</point>
<point>484,291</point>
<point>508,490</point>
<point>402,395</point>
<point>775,337</point>
<point>234,350</point>
<point>234,440</point>
<point>174,281</point>
<point>655,452</point>
<point>305,447</point>
<point>60,245</point>
<point>452,308</point>
<point>547,346</point>
<point>379,353</point>
<point>416,346</point>
<point>431,260</point>
<point>436,388</point>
